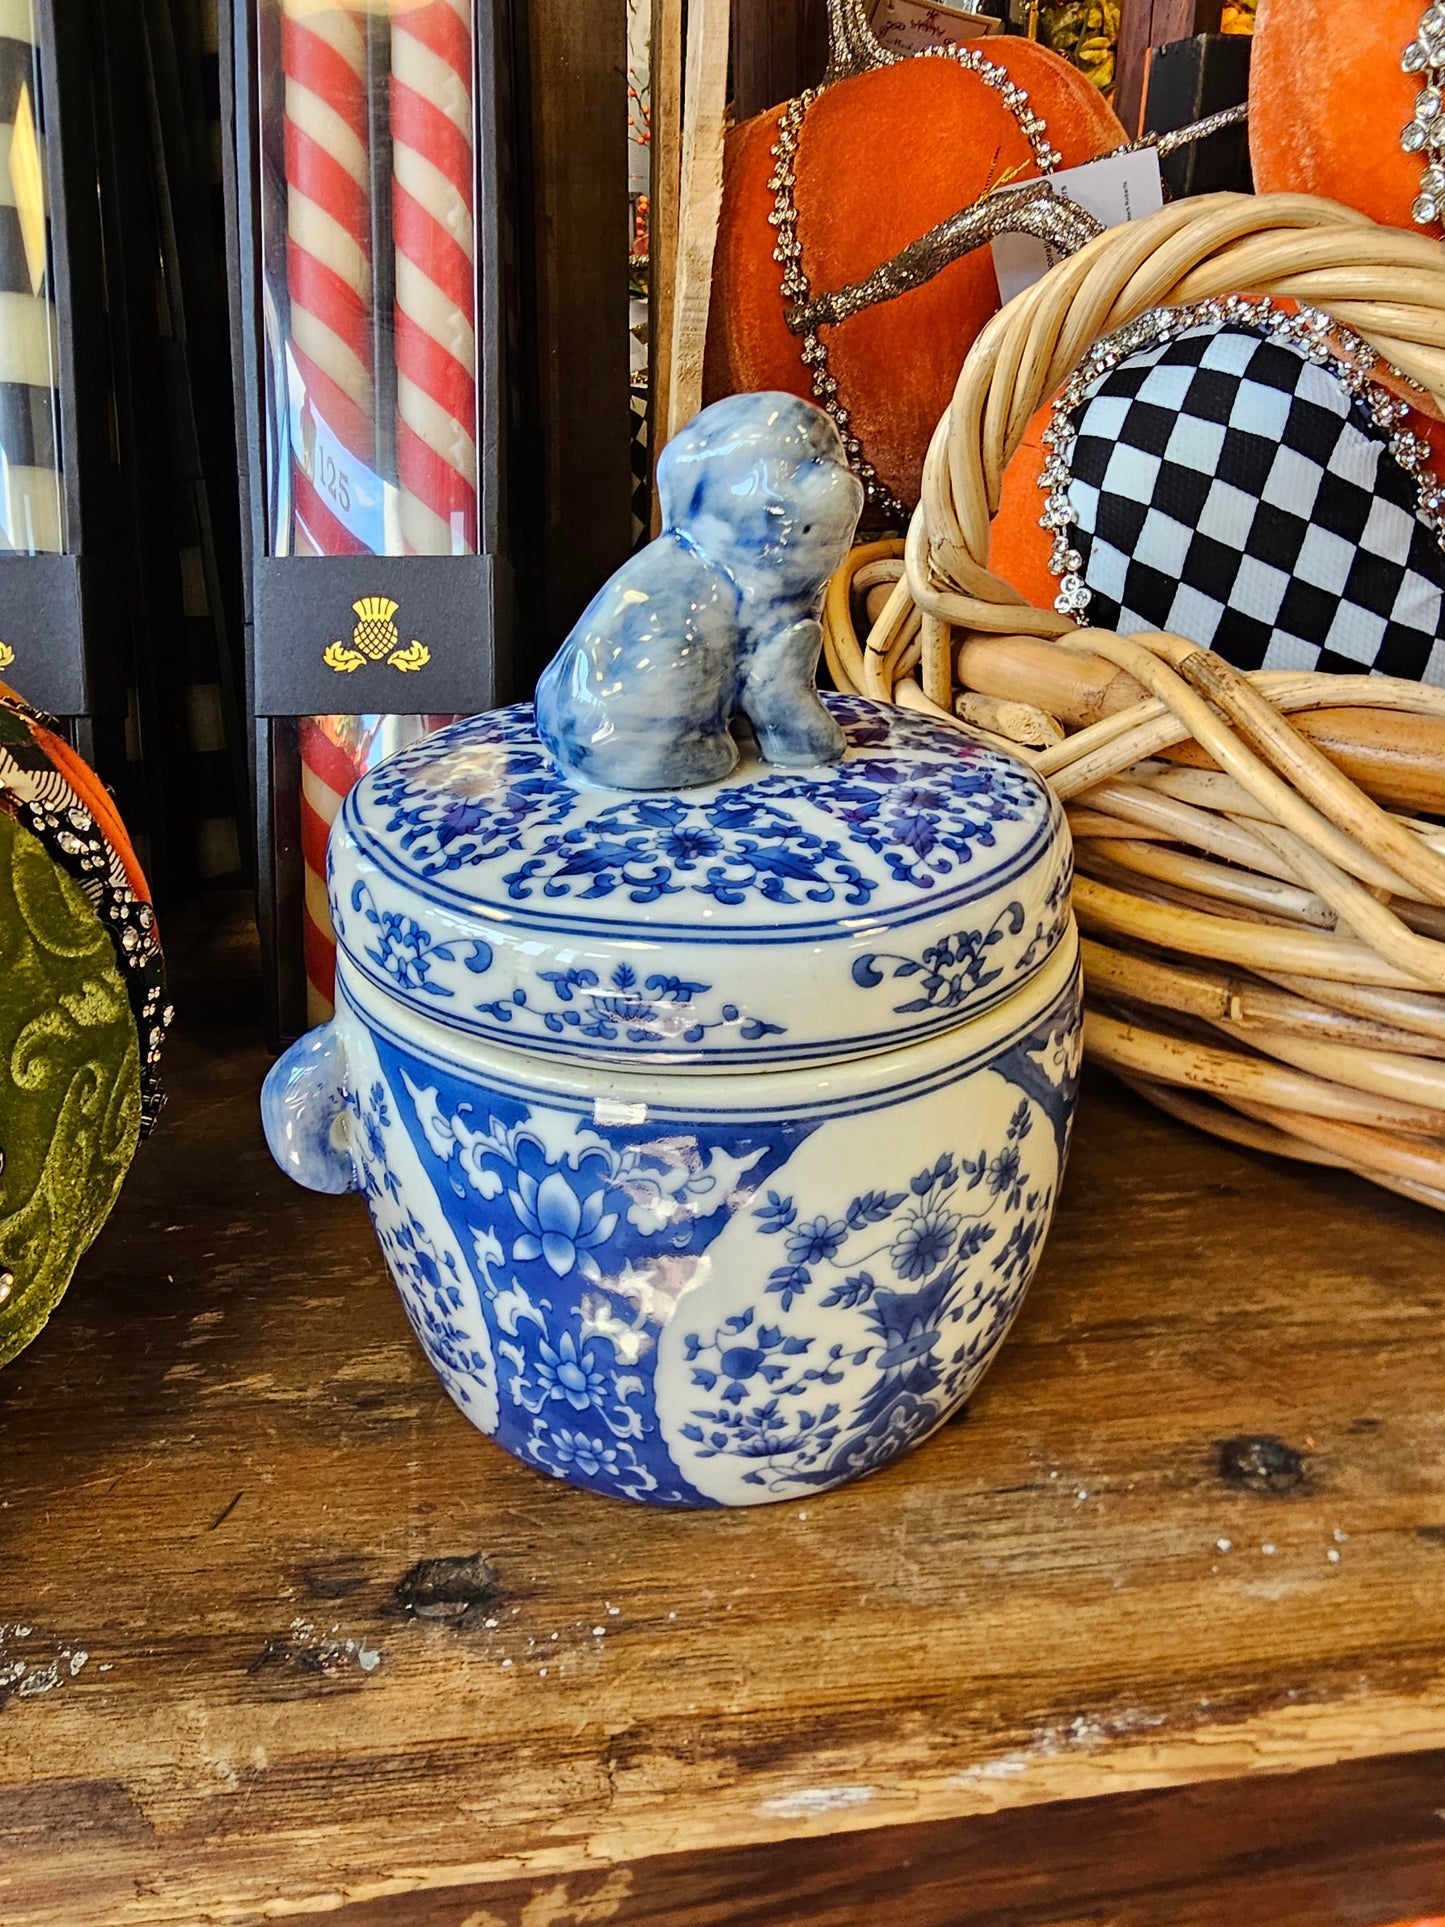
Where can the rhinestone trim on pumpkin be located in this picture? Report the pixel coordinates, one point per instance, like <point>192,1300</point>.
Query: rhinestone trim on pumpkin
<point>1425,134</point>
<point>1322,339</point>
<point>77,844</point>
<point>788,253</point>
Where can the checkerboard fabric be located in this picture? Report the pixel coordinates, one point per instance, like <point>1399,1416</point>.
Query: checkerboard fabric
<point>1229,490</point>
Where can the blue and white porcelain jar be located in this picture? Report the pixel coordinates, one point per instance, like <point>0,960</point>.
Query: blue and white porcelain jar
<point>711,1133</point>
<point>711,1138</point>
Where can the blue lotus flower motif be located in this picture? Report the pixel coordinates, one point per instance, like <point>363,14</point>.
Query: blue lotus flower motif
<point>816,1242</point>
<point>592,1456</point>
<point>687,846</point>
<point>560,1227</point>
<point>569,1374</point>
<point>924,1242</point>
<point>626,1010</point>
<point>907,1345</point>
<point>404,945</point>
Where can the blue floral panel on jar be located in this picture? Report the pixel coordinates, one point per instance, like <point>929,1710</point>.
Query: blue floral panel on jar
<point>693,1305</point>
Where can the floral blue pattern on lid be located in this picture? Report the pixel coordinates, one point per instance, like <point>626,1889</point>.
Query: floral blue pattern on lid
<point>772,916</point>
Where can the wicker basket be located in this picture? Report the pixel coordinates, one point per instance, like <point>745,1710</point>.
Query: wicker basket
<point>1263,899</point>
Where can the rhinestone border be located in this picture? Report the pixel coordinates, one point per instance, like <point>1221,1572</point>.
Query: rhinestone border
<point>796,288</point>
<point>1323,340</point>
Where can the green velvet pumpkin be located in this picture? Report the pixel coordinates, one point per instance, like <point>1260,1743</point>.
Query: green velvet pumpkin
<point>70,1104</point>
<point>82,1016</point>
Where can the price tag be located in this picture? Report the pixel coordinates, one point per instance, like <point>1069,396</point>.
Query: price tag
<point>356,495</point>
<point>912,26</point>
<point>1119,188</point>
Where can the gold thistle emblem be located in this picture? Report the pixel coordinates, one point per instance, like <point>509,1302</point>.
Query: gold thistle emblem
<point>7,655</point>
<point>375,635</point>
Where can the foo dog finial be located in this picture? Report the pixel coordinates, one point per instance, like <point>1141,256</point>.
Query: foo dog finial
<point>719,616</point>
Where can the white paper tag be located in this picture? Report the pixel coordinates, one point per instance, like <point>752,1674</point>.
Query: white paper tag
<point>1119,188</point>
<point>913,26</point>
<point>360,500</point>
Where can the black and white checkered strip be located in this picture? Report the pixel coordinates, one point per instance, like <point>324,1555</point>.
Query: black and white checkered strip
<point>1229,489</point>
<point>31,516</point>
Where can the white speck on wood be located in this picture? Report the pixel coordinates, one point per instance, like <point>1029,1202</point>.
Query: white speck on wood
<point>1003,1768</point>
<point>42,1680</point>
<point>807,1801</point>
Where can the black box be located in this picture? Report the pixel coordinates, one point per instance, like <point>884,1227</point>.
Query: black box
<point>1188,80</point>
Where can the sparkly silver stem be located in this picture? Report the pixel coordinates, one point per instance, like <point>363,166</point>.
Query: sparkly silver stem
<point>1197,130</point>
<point>1036,209</point>
<point>1425,133</point>
<point>853,47</point>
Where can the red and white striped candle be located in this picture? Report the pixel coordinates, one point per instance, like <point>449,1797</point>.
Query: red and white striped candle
<point>331,179</point>
<point>328,244</point>
<point>434,234</point>
<point>329,186</point>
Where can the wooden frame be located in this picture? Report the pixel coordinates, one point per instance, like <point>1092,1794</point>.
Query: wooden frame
<point>1144,25</point>
<point>777,51</point>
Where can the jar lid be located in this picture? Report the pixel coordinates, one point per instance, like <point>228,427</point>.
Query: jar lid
<point>778,916</point>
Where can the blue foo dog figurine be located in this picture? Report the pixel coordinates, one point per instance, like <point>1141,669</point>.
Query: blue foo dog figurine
<point>719,616</point>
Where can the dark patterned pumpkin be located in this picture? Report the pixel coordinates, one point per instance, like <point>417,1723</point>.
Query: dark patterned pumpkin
<point>1246,483</point>
<point>82,1016</point>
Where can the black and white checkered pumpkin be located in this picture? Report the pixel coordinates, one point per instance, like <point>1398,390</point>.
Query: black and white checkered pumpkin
<point>1241,485</point>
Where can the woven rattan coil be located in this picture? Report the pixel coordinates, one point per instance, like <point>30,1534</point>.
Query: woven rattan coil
<point>1260,883</point>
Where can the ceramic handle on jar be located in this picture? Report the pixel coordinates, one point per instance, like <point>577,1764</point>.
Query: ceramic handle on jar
<point>303,1112</point>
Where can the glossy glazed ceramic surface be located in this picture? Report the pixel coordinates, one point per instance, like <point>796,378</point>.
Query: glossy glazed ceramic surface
<point>718,618</point>
<point>701,1290</point>
<point>772,917</point>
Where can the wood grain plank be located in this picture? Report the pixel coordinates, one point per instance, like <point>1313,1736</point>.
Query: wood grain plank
<point>1294,1849</point>
<point>665,190</point>
<point>1144,25</point>
<point>777,52</point>
<point>704,110</point>
<point>573,518</point>
<point>226,1455</point>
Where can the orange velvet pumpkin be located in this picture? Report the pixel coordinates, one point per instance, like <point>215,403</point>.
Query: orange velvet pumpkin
<point>1327,101</point>
<point>885,156</point>
<point>1018,549</point>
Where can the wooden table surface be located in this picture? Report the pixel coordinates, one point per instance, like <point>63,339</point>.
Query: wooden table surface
<point>1152,1635</point>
